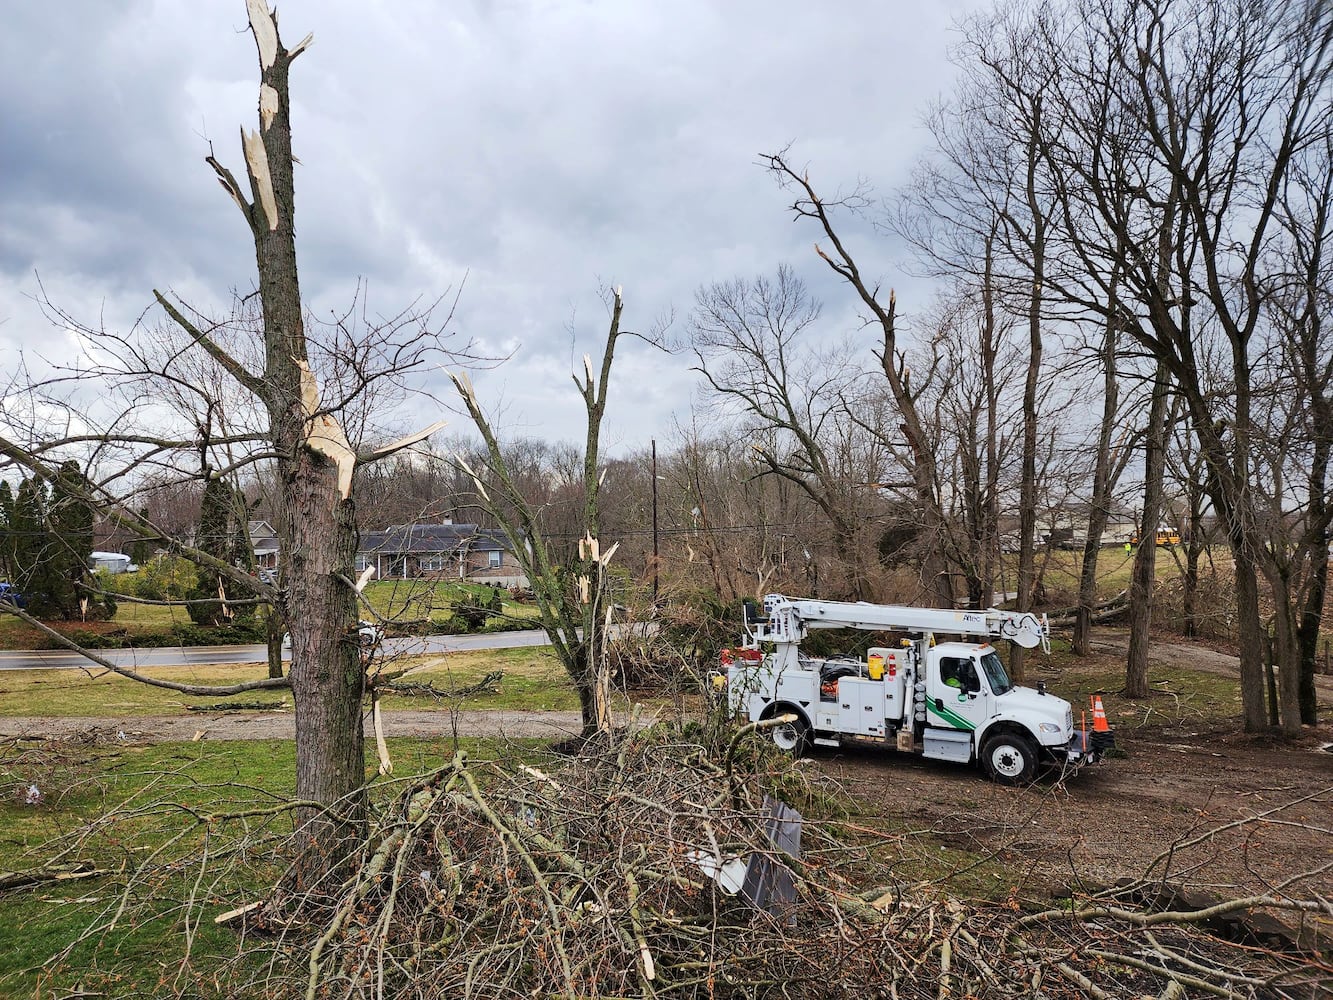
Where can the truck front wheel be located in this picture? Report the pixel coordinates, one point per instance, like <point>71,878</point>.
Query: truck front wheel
<point>1009,759</point>
<point>791,737</point>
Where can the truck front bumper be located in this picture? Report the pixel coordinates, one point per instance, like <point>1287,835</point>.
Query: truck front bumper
<point>1085,747</point>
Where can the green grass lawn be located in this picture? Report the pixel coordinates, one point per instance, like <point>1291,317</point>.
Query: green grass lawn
<point>533,679</point>
<point>409,603</point>
<point>118,808</point>
<point>137,619</point>
<point>1061,569</point>
<point>407,606</point>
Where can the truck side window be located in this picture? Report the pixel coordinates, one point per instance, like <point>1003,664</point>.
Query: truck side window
<point>959,672</point>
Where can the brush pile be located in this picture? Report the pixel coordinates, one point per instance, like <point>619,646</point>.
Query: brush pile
<point>651,866</point>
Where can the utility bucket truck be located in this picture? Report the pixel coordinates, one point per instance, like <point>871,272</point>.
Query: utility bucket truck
<point>946,701</point>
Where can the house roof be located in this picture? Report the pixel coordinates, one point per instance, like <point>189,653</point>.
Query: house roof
<point>260,530</point>
<point>422,539</point>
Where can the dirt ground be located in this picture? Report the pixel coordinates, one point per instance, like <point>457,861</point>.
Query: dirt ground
<point>1206,806</point>
<point>1264,813</point>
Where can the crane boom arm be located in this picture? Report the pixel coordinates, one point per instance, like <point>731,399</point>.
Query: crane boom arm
<point>788,620</point>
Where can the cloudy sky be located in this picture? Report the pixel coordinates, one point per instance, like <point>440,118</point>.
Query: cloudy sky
<point>535,149</point>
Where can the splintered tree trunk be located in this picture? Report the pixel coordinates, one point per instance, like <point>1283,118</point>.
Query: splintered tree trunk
<point>316,523</point>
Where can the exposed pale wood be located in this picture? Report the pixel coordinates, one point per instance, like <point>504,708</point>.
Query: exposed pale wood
<point>403,442</point>
<point>268,105</point>
<point>301,46</point>
<point>265,28</point>
<point>324,434</point>
<point>381,748</point>
<point>43,876</point>
<point>257,158</point>
<point>233,915</point>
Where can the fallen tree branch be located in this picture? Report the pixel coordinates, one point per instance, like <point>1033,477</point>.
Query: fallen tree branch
<point>11,881</point>
<point>1203,915</point>
<point>268,683</point>
<point>489,684</point>
<point>238,706</point>
<point>1101,612</point>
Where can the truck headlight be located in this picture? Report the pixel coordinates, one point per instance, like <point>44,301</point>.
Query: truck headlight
<point>1049,727</point>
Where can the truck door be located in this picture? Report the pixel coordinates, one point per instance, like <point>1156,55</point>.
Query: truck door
<point>956,693</point>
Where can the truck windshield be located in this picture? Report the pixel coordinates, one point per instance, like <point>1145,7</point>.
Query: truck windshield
<point>995,673</point>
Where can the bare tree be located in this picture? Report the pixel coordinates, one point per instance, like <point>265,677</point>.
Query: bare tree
<point>1144,572</point>
<point>572,595</point>
<point>748,339</point>
<point>1110,457</point>
<point>974,419</point>
<point>1209,108</point>
<point>920,468</point>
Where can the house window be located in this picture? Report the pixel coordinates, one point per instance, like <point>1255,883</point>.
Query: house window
<point>362,562</point>
<point>493,559</point>
<point>432,564</point>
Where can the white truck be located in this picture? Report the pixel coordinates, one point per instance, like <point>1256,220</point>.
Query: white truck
<point>946,701</point>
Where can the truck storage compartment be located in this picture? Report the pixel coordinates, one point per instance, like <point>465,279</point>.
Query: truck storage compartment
<point>948,744</point>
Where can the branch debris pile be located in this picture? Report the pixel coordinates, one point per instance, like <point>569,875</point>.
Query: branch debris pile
<point>607,876</point>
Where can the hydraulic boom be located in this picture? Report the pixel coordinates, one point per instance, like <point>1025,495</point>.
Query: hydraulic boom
<point>788,620</point>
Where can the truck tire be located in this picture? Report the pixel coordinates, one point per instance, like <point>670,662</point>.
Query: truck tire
<point>1009,759</point>
<point>791,737</point>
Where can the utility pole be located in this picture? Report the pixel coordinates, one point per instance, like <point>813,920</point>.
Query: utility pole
<point>654,440</point>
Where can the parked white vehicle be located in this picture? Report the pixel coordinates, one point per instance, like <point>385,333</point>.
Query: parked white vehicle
<point>945,701</point>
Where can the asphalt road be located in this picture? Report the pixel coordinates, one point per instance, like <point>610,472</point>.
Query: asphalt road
<point>171,656</point>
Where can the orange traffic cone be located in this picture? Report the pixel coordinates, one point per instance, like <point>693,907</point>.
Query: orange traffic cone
<point>1102,737</point>
<point>1099,724</point>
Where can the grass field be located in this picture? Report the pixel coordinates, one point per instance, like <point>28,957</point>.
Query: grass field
<point>118,808</point>
<point>407,607</point>
<point>533,679</point>
<point>1061,568</point>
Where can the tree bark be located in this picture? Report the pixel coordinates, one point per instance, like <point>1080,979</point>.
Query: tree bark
<point>1102,481</point>
<point>573,611</point>
<point>1145,558</point>
<point>934,567</point>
